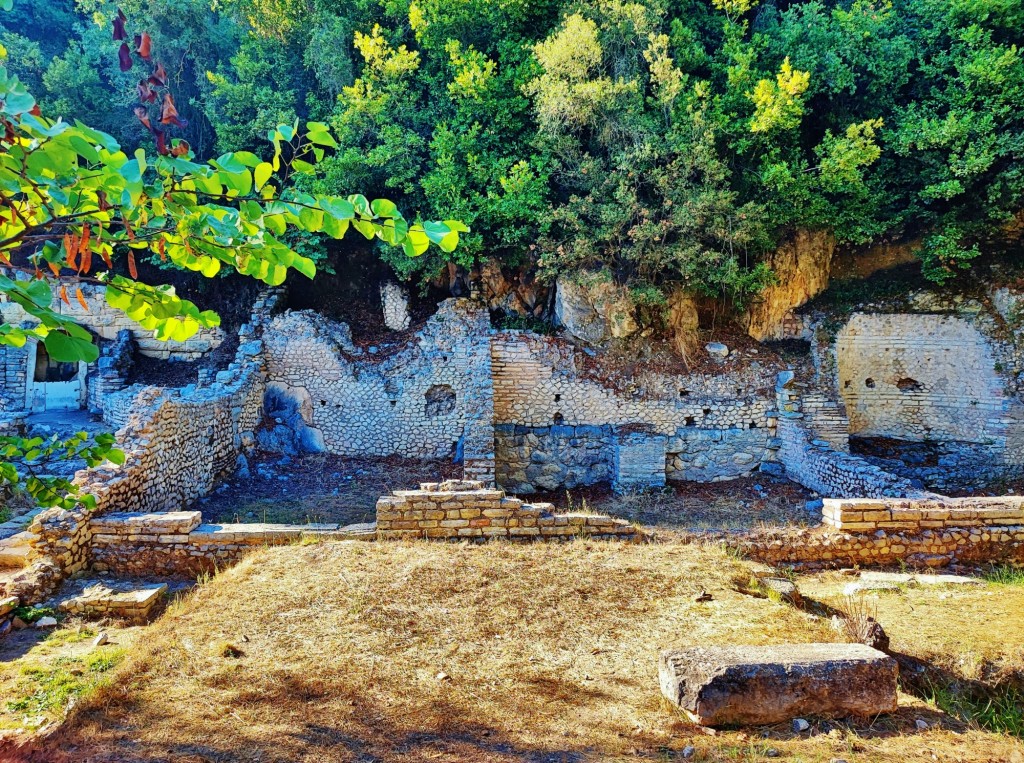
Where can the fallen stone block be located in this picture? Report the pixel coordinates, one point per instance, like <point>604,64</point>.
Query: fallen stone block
<point>757,685</point>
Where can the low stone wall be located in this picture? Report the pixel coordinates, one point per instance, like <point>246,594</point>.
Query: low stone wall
<point>887,514</point>
<point>177,544</point>
<point>829,548</point>
<point>468,511</point>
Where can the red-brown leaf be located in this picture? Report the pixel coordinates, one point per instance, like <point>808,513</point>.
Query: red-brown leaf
<point>36,111</point>
<point>124,57</point>
<point>159,77</point>
<point>54,268</point>
<point>81,300</point>
<point>143,115</point>
<point>143,45</point>
<point>146,93</point>
<point>169,114</point>
<point>131,265</point>
<point>119,19</point>
<point>161,246</point>
<point>161,142</point>
<point>64,295</point>
<point>101,198</point>
<point>181,148</point>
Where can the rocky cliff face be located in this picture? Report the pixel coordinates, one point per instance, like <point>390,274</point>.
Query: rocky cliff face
<point>802,266</point>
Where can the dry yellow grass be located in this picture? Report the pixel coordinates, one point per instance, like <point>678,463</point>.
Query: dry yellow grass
<point>435,652</point>
<point>976,632</point>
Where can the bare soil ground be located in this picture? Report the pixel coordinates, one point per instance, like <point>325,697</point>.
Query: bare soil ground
<point>497,654</point>
<point>317,488</point>
<point>742,504</point>
<point>324,488</point>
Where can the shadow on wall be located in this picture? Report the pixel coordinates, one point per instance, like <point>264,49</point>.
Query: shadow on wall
<point>287,412</point>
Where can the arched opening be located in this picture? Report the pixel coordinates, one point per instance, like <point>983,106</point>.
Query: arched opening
<point>49,370</point>
<point>53,385</point>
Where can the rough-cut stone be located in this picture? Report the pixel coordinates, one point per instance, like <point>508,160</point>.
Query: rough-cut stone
<point>102,600</point>
<point>754,685</point>
<point>594,309</point>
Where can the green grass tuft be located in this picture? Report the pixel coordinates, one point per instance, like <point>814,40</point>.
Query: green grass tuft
<point>1000,710</point>
<point>1004,574</point>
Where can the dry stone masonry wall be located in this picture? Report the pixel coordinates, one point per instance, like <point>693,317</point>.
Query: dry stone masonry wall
<point>466,510</point>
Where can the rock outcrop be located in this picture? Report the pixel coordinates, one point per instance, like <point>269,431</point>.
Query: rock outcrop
<point>801,267</point>
<point>594,309</point>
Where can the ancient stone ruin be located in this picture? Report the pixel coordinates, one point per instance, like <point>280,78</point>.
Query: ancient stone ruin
<point>520,413</point>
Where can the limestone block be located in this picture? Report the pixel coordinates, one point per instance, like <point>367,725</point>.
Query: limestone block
<point>758,685</point>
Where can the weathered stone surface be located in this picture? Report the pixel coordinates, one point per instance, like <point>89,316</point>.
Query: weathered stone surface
<point>801,267</point>
<point>394,301</point>
<point>103,600</point>
<point>594,309</point>
<point>753,685</point>
<point>162,523</point>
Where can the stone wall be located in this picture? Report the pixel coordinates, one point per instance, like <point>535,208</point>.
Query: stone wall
<point>863,515</point>
<point>558,427</point>
<point>177,544</point>
<point>918,377</point>
<point>468,511</point>
<point>178,444</point>
<point>429,399</point>
<point>107,324</point>
<point>818,548</point>
<point>944,372</point>
<point>815,463</point>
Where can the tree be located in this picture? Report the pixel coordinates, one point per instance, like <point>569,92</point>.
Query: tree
<point>75,208</point>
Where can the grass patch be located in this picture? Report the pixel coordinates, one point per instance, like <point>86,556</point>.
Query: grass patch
<point>1000,710</point>
<point>50,688</point>
<point>34,614</point>
<point>1004,575</point>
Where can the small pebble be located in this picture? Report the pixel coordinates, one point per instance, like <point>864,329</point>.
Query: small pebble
<point>100,640</point>
<point>689,751</point>
<point>772,753</point>
<point>921,725</point>
<point>800,725</point>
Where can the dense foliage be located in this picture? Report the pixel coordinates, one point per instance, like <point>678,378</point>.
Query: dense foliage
<point>669,141</point>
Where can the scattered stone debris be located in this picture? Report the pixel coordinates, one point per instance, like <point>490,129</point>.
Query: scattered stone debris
<point>800,725</point>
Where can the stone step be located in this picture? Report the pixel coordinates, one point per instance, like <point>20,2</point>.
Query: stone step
<point>760,685</point>
<point>15,550</point>
<point>100,600</point>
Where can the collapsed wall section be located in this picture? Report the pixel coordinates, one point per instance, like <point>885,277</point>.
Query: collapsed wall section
<point>177,444</point>
<point>430,399</point>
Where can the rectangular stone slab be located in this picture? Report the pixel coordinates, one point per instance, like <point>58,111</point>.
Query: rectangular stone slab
<point>756,685</point>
